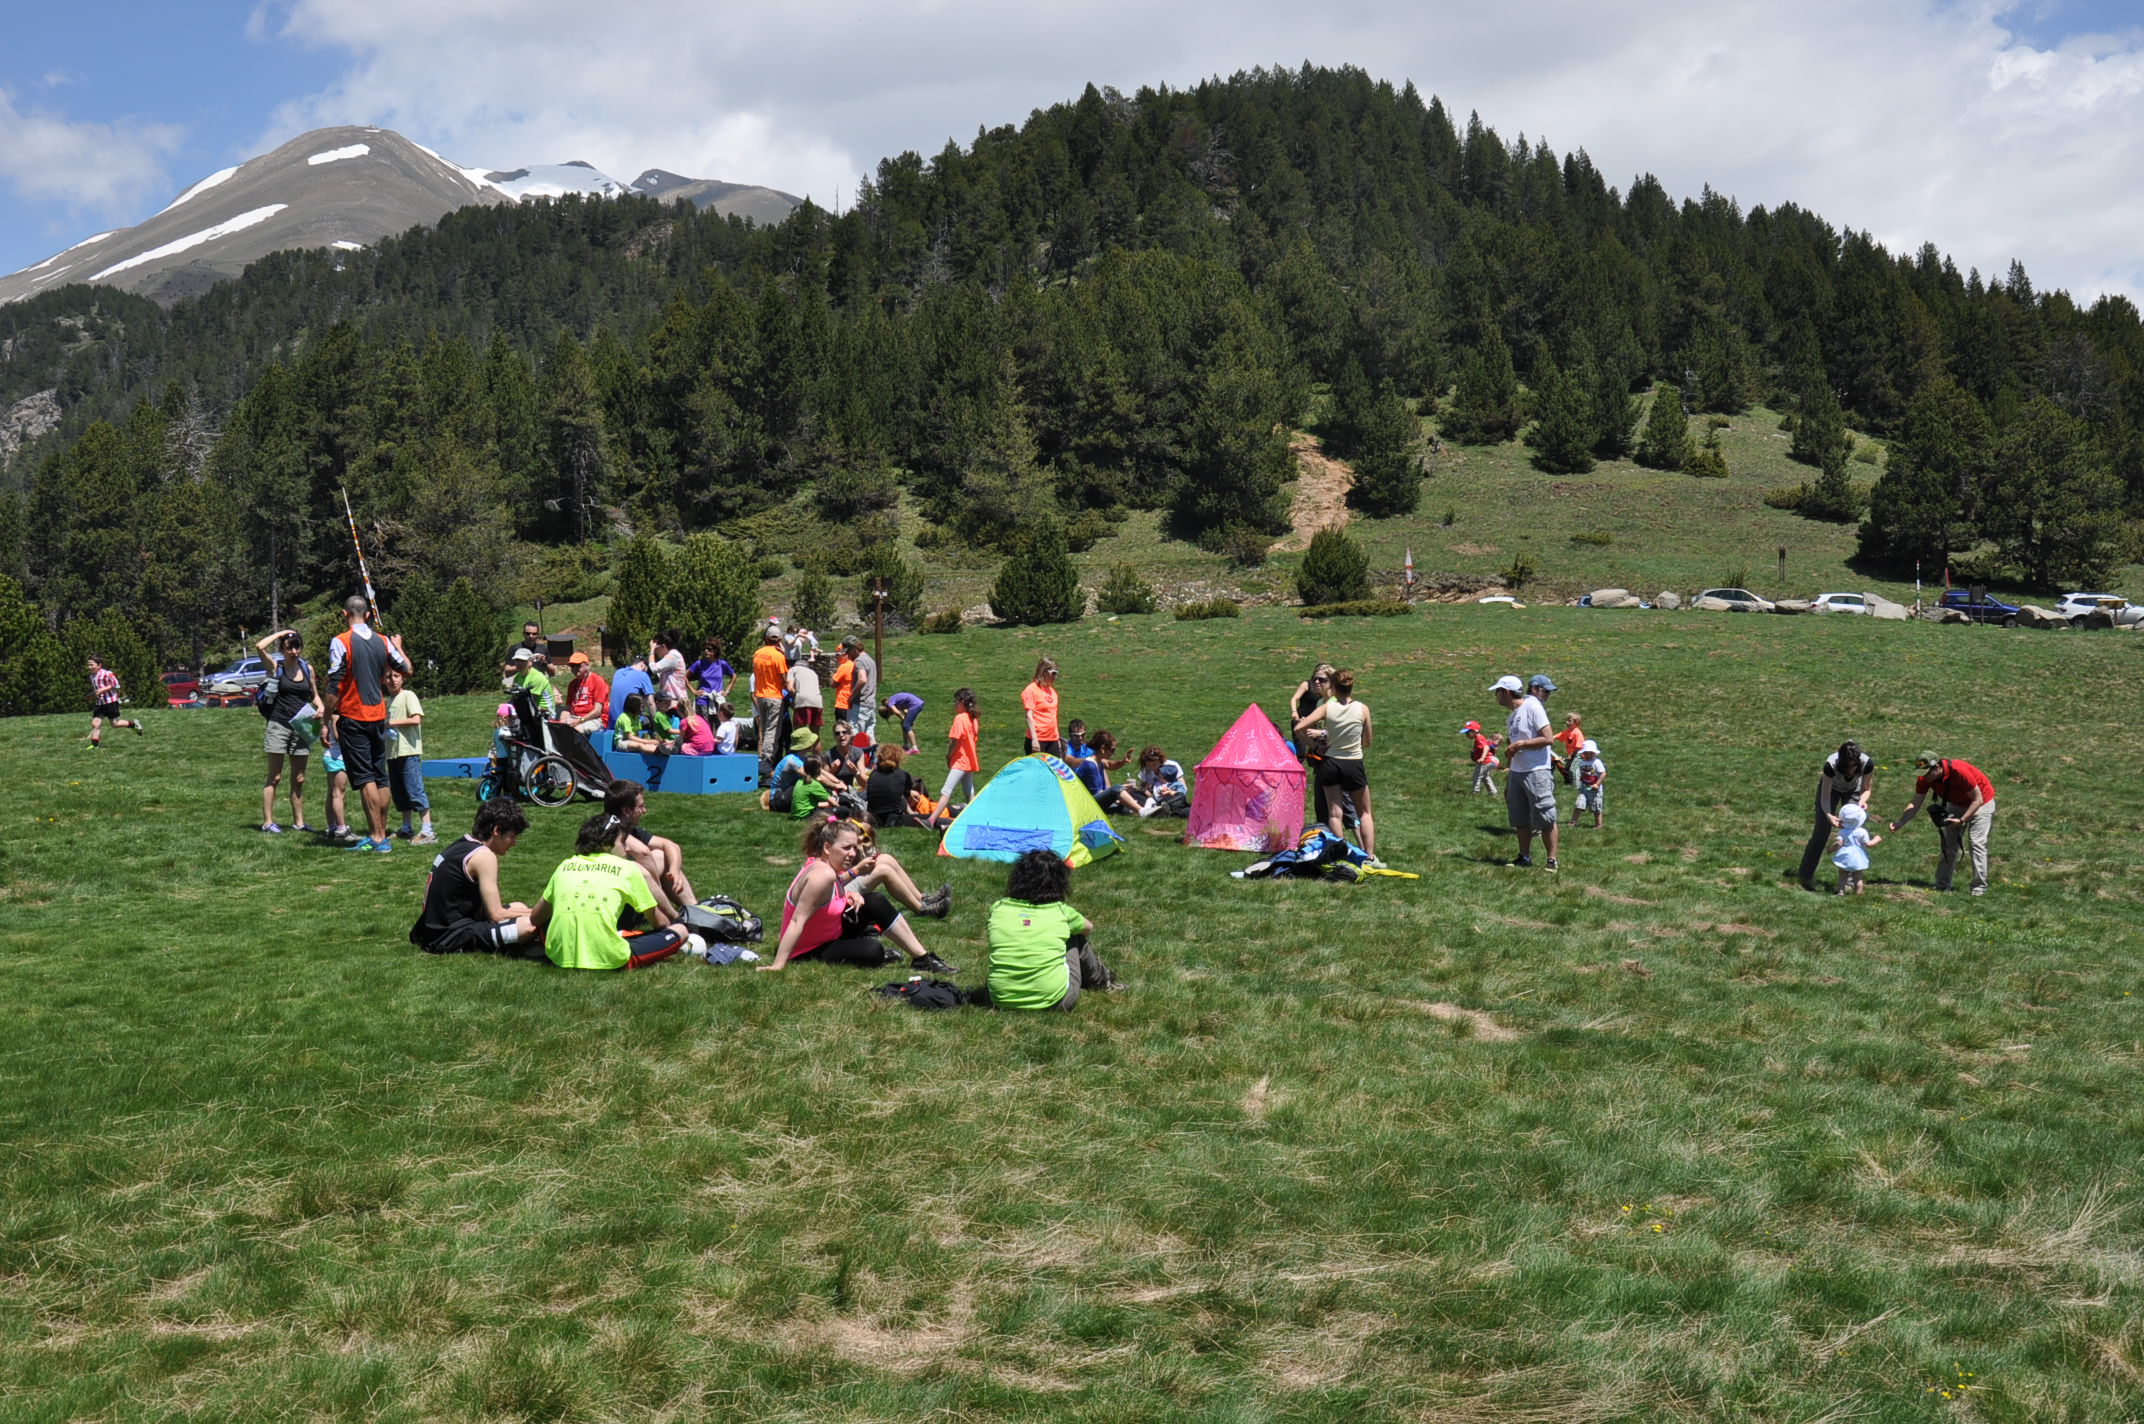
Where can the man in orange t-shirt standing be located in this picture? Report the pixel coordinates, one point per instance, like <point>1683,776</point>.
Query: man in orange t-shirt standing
<point>770,680</point>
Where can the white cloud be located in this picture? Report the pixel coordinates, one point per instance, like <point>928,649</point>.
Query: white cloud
<point>96,167</point>
<point>1914,121</point>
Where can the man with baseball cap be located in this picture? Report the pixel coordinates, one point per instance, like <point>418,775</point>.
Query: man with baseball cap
<point>1530,784</point>
<point>1964,810</point>
<point>587,696</point>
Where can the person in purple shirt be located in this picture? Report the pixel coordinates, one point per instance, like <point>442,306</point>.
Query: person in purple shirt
<point>906,706</point>
<point>710,674</point>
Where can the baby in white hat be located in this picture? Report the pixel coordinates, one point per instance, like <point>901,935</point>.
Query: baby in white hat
<point>1591,772</point>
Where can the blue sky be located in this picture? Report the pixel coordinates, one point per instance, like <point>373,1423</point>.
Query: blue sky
<point>1994,131</point>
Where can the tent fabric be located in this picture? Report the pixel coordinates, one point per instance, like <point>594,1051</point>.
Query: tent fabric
<point>1034,803</point>
<point>1248,793</point>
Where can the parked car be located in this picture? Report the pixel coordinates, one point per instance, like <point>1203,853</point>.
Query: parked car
<point>2074,606</point>
<point>1839,603</point>
<point>1982,609</point>
<point>1741,600</point>
<point>182,687</point>
<point>243,676</point>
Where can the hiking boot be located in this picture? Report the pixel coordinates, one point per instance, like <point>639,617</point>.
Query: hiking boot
<point>931,964</point>
<point>938,903</point>
<point>1524,862</point>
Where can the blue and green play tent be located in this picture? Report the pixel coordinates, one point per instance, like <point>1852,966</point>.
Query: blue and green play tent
<point>1035,803</point>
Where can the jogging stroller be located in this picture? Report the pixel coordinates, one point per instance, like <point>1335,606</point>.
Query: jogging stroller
<point>532,771</point>
<point>591,778</point>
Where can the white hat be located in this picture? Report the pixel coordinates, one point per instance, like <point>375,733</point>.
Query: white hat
<point>1508,684</point>
<point>1591,748</point>
<point>522,655</point>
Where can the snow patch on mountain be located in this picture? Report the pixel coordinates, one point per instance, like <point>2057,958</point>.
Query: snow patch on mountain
<point>556,180</point>
<point>220,176</point>
<point>475,176</point>
<point>210,234</point>
<point>355,150</point>
<point>348,246</point>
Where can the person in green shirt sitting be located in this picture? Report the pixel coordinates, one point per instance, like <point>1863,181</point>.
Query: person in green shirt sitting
<point>630,732</point>
<point>581,906</point>
<point>522,675</point>
<point>1039,958</point>
<point>810,792</point>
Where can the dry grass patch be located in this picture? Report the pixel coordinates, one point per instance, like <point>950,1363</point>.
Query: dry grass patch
<point>1477,1023</point>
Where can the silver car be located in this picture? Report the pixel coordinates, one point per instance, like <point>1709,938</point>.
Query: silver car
<point>1839,603</point>
<point>2074,606</point>
<point>1739,600</point>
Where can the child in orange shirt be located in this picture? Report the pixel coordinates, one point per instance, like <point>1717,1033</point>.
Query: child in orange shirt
<point>1571,738</point>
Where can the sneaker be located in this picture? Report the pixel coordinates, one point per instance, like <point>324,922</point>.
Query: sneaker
<point>1524,862</point>
<point>1373,863</point>
<point>383,845</point>
<point>405,832</point>
<point>364,843</point>
<point>1551,867</point>
<point>271,828</point>
<point>424,838</point>
<point>938,903</point>
<point>1980,889</point>
<point>931,963</point>
<point>137,729</point>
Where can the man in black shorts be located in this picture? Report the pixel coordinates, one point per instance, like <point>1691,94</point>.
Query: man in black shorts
<point>658,855</point>
<point>462,913</point>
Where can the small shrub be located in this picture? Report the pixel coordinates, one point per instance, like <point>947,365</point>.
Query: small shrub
<point>1706,463</point>
<point>1717,422</point>
<point>1086,529</point>
<point>1211,608</point>
<point>1737,577</point>
<point>1866,455</point>
<point>1788,497</point>
<point>1599,538</point>
<point>813,604</point>
<point>1787,422</point>
<point>1038,583</point>
<point>1451,516</point>
<point>1125,592</point>
<point>945,620</point>
<point>1334,570</point>
<point>1240,544</point>
<point>1361,608</point>
<point>1519,572</point>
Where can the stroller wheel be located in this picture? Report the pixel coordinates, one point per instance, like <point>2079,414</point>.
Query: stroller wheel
<point>486,788</point>
<point>550,781</point>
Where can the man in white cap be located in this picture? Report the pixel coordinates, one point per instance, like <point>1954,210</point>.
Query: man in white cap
<point>1530,786</point>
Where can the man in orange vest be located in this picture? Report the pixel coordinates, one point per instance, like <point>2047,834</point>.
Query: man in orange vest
<point>358,661</point>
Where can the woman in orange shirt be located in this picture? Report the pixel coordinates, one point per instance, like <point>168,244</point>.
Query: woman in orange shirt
<point>962,757</point>
<point>1040,699</point>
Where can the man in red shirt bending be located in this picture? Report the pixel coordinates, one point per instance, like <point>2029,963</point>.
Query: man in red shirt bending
<point>1965,808</point>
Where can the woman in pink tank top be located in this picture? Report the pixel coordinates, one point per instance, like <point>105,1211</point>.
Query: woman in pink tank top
<point>843,925</point>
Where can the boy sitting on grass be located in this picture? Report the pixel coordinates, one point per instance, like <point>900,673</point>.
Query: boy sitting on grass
<point>1039,957</point>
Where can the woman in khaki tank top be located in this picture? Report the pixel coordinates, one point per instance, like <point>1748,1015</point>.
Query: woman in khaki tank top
<point>1347,737</point>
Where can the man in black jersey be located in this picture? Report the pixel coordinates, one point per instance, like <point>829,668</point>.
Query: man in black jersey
<point>462,913</point>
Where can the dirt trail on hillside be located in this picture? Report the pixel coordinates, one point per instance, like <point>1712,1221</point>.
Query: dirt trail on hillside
<point>1321,486</point>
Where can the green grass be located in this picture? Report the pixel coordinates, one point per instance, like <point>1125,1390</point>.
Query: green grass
<point>1663,1138</point>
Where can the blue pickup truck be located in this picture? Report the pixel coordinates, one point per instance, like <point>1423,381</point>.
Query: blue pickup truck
<point>1982,609</point>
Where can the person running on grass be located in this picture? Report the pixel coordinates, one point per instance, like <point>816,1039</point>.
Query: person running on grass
<point>1342,773</point>
<point>104,695</point>
<point>358,660</point>
<point>295,716</point>
<point>591,892</point>
<point>462,912</point>
<point>834,912</point>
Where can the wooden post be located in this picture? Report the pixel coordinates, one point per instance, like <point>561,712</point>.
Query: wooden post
<point>878,627</point>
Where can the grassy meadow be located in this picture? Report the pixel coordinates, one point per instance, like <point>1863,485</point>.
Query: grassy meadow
<point>1661,1138</point>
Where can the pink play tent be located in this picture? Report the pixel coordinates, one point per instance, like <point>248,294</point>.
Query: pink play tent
<point>1248,794</point>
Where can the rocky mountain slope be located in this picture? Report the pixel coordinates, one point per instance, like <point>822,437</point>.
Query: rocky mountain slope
<point>337,187</point>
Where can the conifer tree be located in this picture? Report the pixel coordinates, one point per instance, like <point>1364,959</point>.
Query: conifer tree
<point>1562,437</point>
<point>1037,583</point>
<point>1665,445</point>
<point>1707,461</point>
<point>1485,408</point>
<point>903,582</point>
<point>1342,431</point>
<point>1334,570</point>
<point>35,675</point>
<point>1832,496</point>
<point>1921,508</point>
<point>577,458</point>
<point>2050,503</point>
<point>1820,433</point>
<point>713,592</point>
<point>1614,411</point>
<point>1388,461</point>
<point>642,600</point>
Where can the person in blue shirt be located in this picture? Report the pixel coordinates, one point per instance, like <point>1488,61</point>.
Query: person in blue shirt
<point>626,681</point>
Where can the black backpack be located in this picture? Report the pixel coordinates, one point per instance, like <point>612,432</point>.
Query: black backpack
<point>720,920</point>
